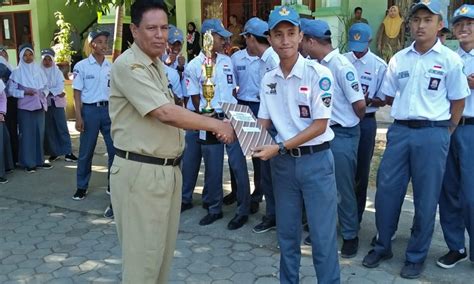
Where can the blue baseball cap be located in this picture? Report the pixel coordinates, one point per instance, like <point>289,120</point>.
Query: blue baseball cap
<point>215,26</point>
<point>255,26</point>
<point>94,34</point>
<point>434,6</point>
<point>174,35</point>
<point>465,11</point>
<point>282,14</point>
<point>359,36</point>
<point>315,28</point>
<point>48,51</point>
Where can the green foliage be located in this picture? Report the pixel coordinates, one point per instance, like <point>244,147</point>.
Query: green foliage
<point>100,5</point>
<point>63,48</point>
<point>346,21</point>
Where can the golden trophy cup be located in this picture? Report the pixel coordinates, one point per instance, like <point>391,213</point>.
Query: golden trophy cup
<point>208,67</point>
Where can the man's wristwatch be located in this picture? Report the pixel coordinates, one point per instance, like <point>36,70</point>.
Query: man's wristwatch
<point>281,148</point>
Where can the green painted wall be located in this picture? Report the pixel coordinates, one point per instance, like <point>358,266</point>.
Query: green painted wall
<point>373,11</point>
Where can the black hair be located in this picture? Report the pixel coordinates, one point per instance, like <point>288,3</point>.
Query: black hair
<point>358,9</point>
<point>260,39</point>
<point>322,41</point>
<point>192,24</point>
<point>140,7</point>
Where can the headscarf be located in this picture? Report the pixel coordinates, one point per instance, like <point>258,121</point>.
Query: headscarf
<point>51,73</point>
<point>392,25</point>
<point>3,60</point>
<point>29,75</point>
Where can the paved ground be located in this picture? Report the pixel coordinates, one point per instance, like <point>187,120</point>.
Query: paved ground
<point>46,237</point>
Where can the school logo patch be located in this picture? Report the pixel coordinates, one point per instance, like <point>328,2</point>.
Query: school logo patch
<point>304,111</point>
<point>284,11</point>
<point>365,88</point>
<point>434,84</point>
<point>350,76</point>
<point>325,84</point>
<point>357,36</point>
<point>273,88</point>
<point>230,79</point>
<point>326,98</point>
<point>427,2</point>
<point>355,86</point>
<point>464,10</point>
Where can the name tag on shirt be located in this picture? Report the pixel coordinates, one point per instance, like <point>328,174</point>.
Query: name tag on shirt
<point>90,77</point>
<point>403,74</point>
<point>241,68</point>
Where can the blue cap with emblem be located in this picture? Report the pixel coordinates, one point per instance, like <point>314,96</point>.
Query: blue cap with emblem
<point>465,11</point>
<point>283,14</point>
<point>94,34</point>
<point>215,26</point>
<point>255,26</point>
<point>174,35</point>
<point>316,28</point>
<point>434,6</point>
<point>360,35</point>
<point>48,51</point>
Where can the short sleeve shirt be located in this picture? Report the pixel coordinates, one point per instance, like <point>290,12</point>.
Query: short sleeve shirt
<point>371,70</point>
<point>223,78</point>
<point>92,79</point>
<point>138,86</point>
<point>347,89</point>
<point>292,104</point>
<point>422,85</point>
<point>246,68</point>
<point>468,59</point>
<point>269,61</point>
<point>174,81</point>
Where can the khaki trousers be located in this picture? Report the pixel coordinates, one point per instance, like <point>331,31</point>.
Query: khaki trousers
<point>146,200</point>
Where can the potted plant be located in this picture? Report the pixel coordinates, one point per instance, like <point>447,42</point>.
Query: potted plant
<point>63,46</point>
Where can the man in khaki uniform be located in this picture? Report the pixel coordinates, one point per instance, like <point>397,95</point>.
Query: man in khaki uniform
<point>145,177</point>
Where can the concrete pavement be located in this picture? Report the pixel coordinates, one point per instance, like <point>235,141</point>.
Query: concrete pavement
<point>46,237</point>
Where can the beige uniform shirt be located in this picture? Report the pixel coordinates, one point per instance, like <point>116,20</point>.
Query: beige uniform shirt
<point>138,86</point>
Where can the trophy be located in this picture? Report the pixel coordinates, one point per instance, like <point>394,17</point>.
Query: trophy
<point>208,85</point>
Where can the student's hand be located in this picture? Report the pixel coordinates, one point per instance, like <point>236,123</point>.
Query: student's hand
<point>265,152</point>
<point>171,59</point>
<point>470,81</point>
<point>2,117</point>
<point>79,124</point>
<point>226,133</point>
<point>30,92</point>
<point>62,95</point>
<point>181,60</point>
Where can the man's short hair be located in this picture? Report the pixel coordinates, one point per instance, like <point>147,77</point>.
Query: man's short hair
<point>322,41</point>
<point>358,9</point>
<point>260,39</point>
<point>140,7</point>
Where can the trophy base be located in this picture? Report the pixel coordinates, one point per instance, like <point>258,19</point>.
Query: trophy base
<point>208,111</point>
<point>206,137</point>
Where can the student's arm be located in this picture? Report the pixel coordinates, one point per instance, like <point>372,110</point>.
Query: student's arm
<point>78,109</point>
<point>457,107</point>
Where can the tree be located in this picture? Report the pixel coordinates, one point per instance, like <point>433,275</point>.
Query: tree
<point>104,6</point>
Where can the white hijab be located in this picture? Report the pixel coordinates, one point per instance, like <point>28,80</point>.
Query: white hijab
<point>6,63</point>
<point>50,72</point>
<point>29,75</point>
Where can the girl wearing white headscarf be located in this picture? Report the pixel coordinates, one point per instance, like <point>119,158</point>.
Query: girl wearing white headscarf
<point>6,161</point>
<point>28,83</point>
<point>57,141</point>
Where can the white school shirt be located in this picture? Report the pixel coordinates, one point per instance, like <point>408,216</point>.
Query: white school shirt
<point>174,81</point>
<point>92,79</point>
<point>347,89</point>
<point>468,59</point>
<point>292,104</point>
<point>422,85</point>
<point>371,69</point>
<point>246,70</point>
<point>268,61</point>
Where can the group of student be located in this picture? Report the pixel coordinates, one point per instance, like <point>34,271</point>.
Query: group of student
<point>32,114</point>
<point>319,105</point>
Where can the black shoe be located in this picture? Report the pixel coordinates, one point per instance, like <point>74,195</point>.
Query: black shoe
<point>30,170</point>
<point>349,248</point>
<point>229,199</point>
<point>70,158</point>
<point>307,241</point>
<point>3,180</point>
<point>205,205</point>
<point>411,270</point>
<point>53,158</point>
<point>109,212</point>
<point>80,194</point>
<point>266,225</point>
<point>186,206</point>
<point>452,258</point>
<point>46,166</point>
<point>254,205</point>
<point>210,218</point>
<point>373,258</point>
<point>237,222</point>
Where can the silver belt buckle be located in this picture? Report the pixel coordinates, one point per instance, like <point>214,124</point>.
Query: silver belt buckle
<point>297,150</point>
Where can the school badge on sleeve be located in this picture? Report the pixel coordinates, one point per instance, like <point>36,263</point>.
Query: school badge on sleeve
<point>326,98</point>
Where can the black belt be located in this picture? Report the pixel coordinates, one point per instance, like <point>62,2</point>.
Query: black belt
<point>336,125</point>
<point>98,104</point>
<point>370,114</point>
<point>466,121</point>
<point>304,150</point>
<point>423,123</point>
<point>147,159</point>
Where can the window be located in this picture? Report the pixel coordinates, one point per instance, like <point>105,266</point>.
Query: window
<point>14,2</point>
<point>15,29</point>
<point>7,31</point>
